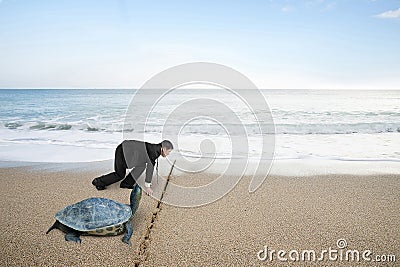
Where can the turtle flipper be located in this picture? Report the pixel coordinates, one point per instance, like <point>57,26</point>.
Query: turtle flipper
<point>129,230</point>
<point>70,234</point>
<point>73,236</point>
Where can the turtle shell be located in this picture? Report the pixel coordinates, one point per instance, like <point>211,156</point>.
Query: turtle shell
<point>94,213</point>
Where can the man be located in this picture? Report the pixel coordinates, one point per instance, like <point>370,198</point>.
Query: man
<point>137,155</point>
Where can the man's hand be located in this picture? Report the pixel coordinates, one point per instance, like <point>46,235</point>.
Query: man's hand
<point>149,191</point>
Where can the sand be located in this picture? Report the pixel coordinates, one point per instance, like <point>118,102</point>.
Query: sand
<point>30,198</point>
<point>286,213</point>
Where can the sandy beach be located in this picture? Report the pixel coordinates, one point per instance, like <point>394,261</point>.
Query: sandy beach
<point>286,213</point>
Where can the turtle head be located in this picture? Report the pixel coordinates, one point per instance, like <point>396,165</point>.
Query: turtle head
<point>136,195</point>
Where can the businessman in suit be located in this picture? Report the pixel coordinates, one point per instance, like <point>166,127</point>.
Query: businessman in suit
<point>137,155</point>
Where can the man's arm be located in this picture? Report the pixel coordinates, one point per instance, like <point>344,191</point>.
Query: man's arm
<point>149,174</point>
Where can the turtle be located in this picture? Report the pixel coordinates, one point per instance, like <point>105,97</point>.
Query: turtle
<point>98,216</point>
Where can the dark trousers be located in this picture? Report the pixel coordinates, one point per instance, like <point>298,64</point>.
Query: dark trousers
<point>120,171</point>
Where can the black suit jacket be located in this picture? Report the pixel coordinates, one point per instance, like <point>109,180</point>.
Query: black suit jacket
<point>141,154</point>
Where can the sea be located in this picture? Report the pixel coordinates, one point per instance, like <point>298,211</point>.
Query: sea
<point>328,128</point>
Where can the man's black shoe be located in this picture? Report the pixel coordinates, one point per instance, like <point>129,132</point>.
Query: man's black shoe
<point>98,187</point>
<point>126,186</point>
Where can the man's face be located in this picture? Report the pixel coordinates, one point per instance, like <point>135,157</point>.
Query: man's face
<point>165,152</point>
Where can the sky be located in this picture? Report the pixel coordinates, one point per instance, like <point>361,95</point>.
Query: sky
<point>277,44</point>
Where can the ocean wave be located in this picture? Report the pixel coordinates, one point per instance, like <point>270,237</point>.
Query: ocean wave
<point>251,129</point>
<point>93,129</point>
<point>338,128</point>
<point>12,125</point>
<point>98,145</point>
<point>336,114</point>
<point>50,126</point>
<point>283,158</point>
<point>47,141</point>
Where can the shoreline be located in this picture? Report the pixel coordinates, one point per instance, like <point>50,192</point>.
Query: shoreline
<point>285,167</point>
